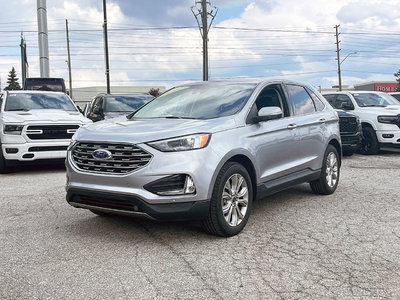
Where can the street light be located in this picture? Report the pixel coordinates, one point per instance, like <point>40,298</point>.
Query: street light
<point>339,69</point>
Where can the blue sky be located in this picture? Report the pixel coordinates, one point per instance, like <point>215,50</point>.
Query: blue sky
<point>260,38</point>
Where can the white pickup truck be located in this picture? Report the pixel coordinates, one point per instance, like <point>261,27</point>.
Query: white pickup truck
<point>36,125</point>
<point>379,115</point>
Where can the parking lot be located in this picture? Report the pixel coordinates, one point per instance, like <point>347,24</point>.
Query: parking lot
<point>296,244</point>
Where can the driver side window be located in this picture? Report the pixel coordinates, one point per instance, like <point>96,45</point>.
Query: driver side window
<point>271,96</point>
<point>343,102</point>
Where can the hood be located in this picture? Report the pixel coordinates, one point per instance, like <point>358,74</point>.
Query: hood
<point>44,115</point>
<point>387,110</point>
<point>138,131</point>
<point>110,115</point>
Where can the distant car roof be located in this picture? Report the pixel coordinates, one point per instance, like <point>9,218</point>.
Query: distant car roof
<point>33,92</point>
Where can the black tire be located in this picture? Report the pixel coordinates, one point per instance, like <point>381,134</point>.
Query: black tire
<point>100,213</point>
<point>321,186</point>
<point>348,152</point>
<point>215,223</point>
<point>369,142</point>
<point>4,169</point>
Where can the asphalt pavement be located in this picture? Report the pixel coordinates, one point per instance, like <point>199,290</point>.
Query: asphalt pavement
<point>295,245</point>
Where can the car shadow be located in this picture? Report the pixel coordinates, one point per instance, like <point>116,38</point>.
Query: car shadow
<point>34,167</point>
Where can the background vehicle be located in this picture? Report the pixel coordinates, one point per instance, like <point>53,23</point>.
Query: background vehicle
<point>379,115</point>
<point>45,84</point>
<point>106,106</point>
<point>36,125</point>
<point>206,151</point>
<point>350,130</point>
<point>395,95</point>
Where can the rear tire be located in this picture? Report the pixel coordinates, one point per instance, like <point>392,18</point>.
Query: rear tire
<point>369,142</point>
<point>330,173</point>
<point>231,201</point>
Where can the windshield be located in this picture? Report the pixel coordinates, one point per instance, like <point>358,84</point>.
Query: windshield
<point>372,99</point>
<point>28,101</point>
<point>126,103</point>
<point>204,101</point>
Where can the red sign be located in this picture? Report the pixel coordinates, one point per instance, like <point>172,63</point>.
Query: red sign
<point>386,87</point>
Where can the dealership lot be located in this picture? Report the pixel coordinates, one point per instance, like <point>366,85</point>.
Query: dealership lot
<point>296,244</point>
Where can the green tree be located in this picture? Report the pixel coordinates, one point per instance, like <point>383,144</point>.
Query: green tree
<point>156,92</point>
<point>12,81</point>
<point>397,75</point>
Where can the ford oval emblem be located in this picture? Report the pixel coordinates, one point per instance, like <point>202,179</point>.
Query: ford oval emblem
<point>102,154</point>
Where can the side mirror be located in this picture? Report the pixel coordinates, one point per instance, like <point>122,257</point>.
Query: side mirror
<point>268,113</point>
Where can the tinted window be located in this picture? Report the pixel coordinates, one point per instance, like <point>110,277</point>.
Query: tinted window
<point>330,98</point>
<point>126,103</point>
<point>397,96</point>
<point>28,101</point>
<point>272,96</point>
<point>202,101</point>
<point>302,101</point>
<point>343,102</point>
<point>319,105</point>
<point>45,84</point>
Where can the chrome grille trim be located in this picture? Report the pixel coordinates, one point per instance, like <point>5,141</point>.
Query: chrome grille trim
<point>126,158</point>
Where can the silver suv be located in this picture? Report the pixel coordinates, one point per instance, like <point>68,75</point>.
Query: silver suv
<point>206,151</point>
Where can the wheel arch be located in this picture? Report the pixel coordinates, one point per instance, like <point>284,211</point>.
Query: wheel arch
<point>335,143</point>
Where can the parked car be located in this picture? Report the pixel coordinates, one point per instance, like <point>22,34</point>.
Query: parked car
<point>395,95</point>
<point>36,125</point>
<point>205,151</point>
<point>379,115</point>
<point>105,106</point>
<point>45,84</point>
<point>350,130</point>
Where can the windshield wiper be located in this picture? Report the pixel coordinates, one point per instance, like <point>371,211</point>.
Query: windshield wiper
<point>176,117</point>
<point>374,105</point>
<point>19,109</point>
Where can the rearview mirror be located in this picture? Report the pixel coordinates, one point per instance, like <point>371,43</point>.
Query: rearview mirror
<point>268,113</point>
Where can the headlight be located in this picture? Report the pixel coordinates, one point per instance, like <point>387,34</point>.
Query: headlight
<point>184,143</point>
<point>13,129</point>
<point>388,119</point>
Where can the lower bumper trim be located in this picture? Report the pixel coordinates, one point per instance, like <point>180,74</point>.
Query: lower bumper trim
<point>133,205</point>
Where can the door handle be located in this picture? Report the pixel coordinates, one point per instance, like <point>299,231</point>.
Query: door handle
<point>292,126</point>
<point>322,120</point>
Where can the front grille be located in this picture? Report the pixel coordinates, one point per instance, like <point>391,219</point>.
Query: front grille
<point>348,124</point>
<point>125,158</point>
<point>51,132</point>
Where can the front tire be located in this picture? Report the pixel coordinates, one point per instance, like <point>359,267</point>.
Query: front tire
<point>369,143</point>
<point>3,163</point>
<point>330,173</point>
<point>231,201</point>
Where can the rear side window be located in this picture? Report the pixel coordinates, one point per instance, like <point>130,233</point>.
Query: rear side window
<point>319,105</point>
<point>302,102</point>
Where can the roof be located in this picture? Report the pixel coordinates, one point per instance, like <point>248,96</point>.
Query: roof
<point>33,92</point>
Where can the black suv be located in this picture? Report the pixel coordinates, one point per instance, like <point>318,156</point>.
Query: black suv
<point>350,128</point>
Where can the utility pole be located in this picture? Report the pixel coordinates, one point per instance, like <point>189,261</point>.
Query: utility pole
<point>338,57</point>
<point>201,16</point>
<point>43,38</point>
<point>106,47</point>
<point>23,59</point>
<point>69,59</point>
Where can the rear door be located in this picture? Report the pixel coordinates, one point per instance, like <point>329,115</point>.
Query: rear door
<point>310,127</point>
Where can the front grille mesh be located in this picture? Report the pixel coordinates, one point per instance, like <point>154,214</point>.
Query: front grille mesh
<point>125,158</point>
<point>348,124</point>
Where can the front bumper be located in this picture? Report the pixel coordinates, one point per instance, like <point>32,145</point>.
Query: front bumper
<point>393,139</point>
<point>36,150</point>
<point>123,204</point>
<point>351,141</point>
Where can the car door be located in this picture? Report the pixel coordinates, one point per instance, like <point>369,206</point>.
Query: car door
<point>310,125</point>
<point>273,141</point>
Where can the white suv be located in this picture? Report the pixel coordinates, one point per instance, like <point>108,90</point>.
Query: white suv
<point>36,125</point>
<point>379,114</point>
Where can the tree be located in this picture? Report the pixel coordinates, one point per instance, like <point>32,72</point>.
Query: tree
<point>397,75</point>
<point>156,92</point>
<point>12,81</point>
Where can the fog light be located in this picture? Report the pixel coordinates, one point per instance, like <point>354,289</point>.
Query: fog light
<point>387,135</point>
<point>11,150</point>
<point>179,184</point>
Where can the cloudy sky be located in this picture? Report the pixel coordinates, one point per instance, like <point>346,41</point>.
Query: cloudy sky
<point>157,42</point>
